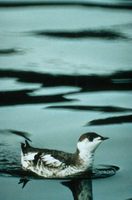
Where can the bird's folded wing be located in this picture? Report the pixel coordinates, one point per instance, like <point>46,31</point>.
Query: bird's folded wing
<point>49,160</point>
<point>30,156</point>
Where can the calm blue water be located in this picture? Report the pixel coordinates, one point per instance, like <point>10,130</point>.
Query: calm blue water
<point>65,69</point>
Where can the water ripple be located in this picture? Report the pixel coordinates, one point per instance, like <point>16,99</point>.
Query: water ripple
<point>125,5</point>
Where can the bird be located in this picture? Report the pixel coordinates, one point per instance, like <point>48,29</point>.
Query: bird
<point>50,163</point>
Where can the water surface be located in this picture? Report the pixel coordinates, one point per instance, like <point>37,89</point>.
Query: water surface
<point>65,69</point>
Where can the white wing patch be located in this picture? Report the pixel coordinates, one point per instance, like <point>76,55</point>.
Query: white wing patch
<point>51,161</point>
<point>26,158</point>
<point>29,156</point>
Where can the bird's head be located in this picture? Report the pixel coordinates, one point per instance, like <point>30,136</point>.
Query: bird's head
<point>89,142</point>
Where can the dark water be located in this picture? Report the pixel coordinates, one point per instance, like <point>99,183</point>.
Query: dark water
<point>65,69</point>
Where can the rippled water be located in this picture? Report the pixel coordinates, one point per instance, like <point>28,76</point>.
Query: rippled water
<point>65,69</point>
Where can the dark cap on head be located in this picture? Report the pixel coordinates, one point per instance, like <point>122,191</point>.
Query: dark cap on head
<point>91,135</point>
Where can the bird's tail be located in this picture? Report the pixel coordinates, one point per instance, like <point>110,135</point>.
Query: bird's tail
<point>25,147</point>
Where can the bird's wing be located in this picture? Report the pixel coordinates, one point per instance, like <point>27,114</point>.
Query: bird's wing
<point>30,156</point>
<point>50,160</point>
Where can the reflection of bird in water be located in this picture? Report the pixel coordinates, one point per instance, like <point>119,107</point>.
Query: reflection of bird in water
<point>80,188</point>
<point>58,164</point>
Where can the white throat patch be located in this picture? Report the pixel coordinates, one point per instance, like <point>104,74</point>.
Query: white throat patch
<point>85,153</point>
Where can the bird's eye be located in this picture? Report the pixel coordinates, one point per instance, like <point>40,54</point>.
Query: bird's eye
<point>90,138</point>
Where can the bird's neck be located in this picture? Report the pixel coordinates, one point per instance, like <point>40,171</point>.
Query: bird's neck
<point>85,158</point>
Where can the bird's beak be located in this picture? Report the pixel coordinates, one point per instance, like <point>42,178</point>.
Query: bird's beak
<point>105,138</point>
